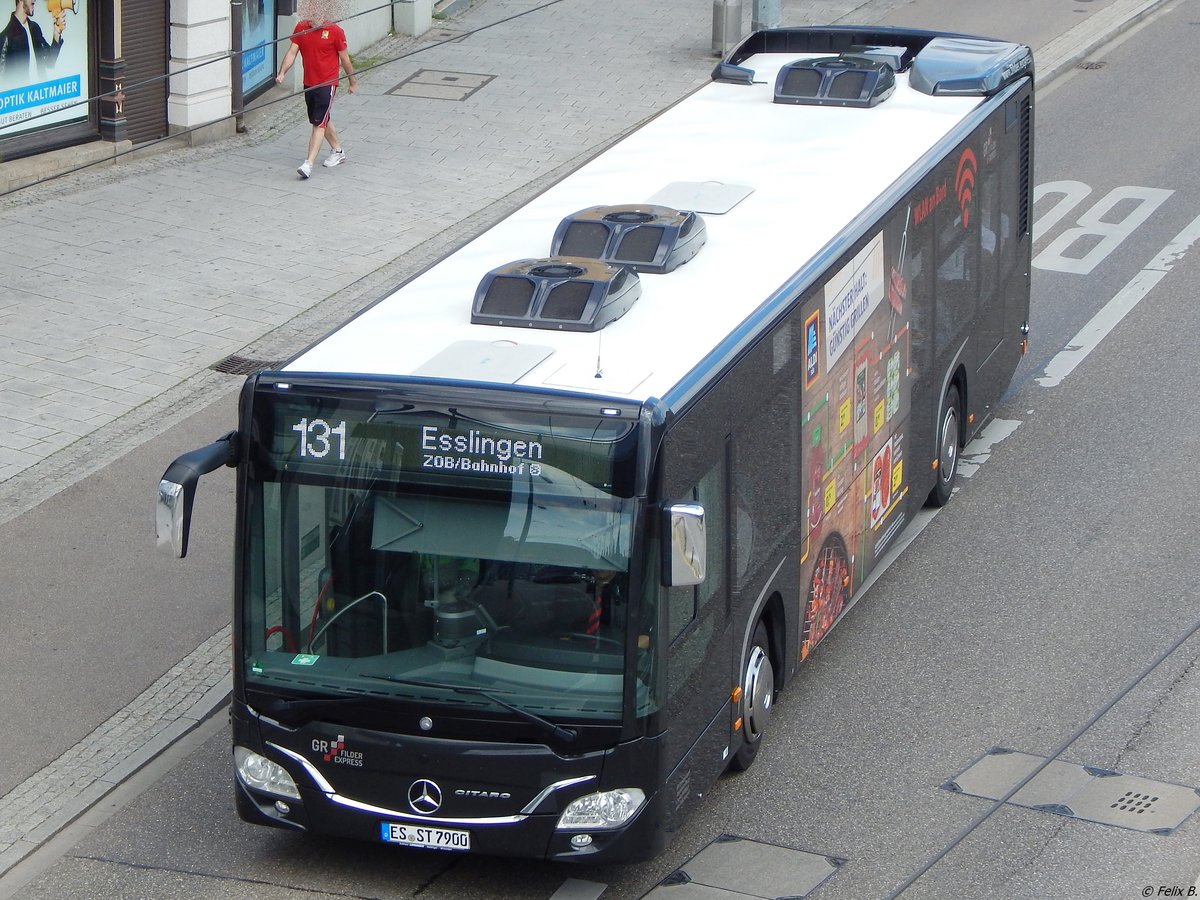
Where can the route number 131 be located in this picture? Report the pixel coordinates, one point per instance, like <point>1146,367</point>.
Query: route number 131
<point>316,438</point>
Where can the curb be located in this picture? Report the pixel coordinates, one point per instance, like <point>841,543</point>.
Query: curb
<point>1070,48</point>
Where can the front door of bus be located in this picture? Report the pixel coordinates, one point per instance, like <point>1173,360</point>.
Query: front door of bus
<point>698,676</point>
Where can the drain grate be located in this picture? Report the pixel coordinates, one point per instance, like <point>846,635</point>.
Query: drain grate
<point>1134,802</point>
<point>243,365</point>
<point>737,868</point>
<point>1091,65</point>
<point>1079,792</point>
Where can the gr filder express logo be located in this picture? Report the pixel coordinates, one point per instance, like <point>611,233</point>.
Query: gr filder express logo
<point>336,752</point>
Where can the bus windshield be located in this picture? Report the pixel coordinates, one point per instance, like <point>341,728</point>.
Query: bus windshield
<point>443,555</point>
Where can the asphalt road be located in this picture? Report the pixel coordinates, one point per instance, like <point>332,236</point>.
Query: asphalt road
<point>1064,564</point>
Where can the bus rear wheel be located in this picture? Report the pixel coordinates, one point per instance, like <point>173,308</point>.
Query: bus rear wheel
<point>758,696</point>
<point>949,432</point>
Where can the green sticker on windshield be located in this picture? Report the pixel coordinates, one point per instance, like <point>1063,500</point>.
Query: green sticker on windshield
<point>305,659</point>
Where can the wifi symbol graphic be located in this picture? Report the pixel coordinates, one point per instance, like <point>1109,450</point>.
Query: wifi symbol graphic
<point>964,184</point>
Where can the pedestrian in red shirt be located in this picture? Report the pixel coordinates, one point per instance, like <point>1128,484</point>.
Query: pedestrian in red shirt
<point>322,49</point>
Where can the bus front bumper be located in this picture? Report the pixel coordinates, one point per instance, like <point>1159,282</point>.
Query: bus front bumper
<point>533,836</point>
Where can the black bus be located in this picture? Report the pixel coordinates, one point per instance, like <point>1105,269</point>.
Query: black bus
<point>527,549</point>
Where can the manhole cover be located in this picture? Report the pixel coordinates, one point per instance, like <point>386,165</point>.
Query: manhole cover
<point>1079,792</point>
<point>435,84</point>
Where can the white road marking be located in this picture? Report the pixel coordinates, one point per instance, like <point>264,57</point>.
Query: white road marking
<point>1090,336</point>
<point>1094,224</point>
<point>976,453</point>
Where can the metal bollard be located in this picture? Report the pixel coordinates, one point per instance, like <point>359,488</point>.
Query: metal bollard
<point>727,25</point>
<point>764,14</point>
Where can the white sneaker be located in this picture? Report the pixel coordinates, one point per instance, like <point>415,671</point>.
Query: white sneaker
<point>305,169</point>
<point>336,158</point>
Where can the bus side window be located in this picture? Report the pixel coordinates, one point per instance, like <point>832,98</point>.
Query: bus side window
<point>920,307</point>
<point>956,278</point>
<point>765,510</point>
<point>684,604</point>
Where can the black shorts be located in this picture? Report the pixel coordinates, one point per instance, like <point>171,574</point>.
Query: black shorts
<point>320,103</point>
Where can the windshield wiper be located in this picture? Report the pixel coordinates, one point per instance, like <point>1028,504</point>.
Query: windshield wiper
<point>563,734</point>
<point>307,707</point>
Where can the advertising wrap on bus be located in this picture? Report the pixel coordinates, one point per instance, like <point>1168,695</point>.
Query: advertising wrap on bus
<point>855,414</point>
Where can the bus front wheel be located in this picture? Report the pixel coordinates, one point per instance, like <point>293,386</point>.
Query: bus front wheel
<point>949,431</point>
<point>758,696</point>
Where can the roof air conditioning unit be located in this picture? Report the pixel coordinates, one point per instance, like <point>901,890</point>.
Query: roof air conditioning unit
<point>846,80</point>
<point>559,294</point>
<point>968,66</point>
<point>645,237</point>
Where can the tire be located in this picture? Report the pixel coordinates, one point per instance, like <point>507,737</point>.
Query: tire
<point>758,697</point>
<point>949,432</point>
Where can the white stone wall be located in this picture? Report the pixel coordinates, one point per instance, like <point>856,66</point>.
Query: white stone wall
<point>199,34</point>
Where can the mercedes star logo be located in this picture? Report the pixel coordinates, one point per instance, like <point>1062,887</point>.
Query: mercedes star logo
<point>425,797</point>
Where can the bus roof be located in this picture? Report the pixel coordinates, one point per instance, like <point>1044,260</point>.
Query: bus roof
<point>809,170</point>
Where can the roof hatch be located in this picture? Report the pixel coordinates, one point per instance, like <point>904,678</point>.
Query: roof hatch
<point>645,237</point>
<point>561,293</point>
<point>850,79</point>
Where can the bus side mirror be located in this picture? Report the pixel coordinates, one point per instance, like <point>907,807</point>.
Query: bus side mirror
<point>177,490</point>
<point>686,561</point>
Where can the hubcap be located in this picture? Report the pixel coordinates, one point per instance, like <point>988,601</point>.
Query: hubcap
<point>758,689</point>
<point>949,445</point>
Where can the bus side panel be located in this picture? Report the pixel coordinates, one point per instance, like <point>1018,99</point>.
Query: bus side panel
<point>1002,216</point>
<point>737,452</point>
<point>981,258</point>
<point>937,295</point>
<point>767,494</point>
<point>865,368</point>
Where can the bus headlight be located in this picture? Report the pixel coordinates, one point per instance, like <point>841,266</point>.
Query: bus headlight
<point>258,772</point>
<point>606,809</point>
